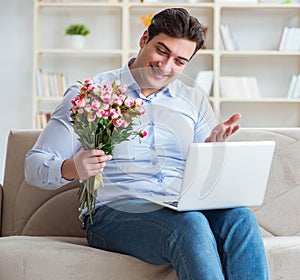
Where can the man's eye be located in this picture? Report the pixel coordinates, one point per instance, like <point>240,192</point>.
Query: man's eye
<point>180,62</point>
<point>160,51</point>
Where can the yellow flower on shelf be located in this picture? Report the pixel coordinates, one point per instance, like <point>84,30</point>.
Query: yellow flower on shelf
<point>146,19</point>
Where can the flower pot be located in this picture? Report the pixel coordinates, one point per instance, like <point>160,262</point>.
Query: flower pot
<point>77,41</point>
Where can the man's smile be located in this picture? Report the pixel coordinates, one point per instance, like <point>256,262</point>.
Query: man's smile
<point>158,73</point>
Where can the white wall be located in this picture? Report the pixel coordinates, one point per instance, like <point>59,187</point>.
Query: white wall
<point>16,18</point>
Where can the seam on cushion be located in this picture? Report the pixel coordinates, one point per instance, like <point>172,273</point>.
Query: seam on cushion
<point>43,204</point>
<point>13,134</point>
<point>276,198</point>
<point>14,203</point>
<point>281,133</point>
<point>268,231</point>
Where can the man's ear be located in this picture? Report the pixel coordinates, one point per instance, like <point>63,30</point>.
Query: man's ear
<point>144,39</point>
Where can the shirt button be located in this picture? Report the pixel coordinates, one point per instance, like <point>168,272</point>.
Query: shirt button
<point>160,180</point>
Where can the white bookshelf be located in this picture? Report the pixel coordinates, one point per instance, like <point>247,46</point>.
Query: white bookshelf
<point>116,29</point>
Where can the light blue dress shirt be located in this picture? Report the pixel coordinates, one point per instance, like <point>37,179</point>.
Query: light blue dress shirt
<point>175,116</point>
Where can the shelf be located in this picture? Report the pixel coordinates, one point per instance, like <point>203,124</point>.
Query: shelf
<point>116,26</point>
<point>261,100</point>
<point>259,53</point>
<point>78,4</point>
<point>78,51</point>
<point>170,4</point>
<point>258,6</point>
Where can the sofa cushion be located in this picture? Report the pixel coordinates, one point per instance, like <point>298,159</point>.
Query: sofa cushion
<point>36,258</point>
<point>283,257</point>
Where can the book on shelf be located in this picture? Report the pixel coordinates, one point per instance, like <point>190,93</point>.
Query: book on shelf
<point>289,39</point>
<point>293,90</point>
<point>239,87</point>
<point>204,81</point>
<point>278,1</point>
<point>228,37</point>
<point>50,84</point>
<point>238,1</point>
<point>296,92</point>
<point>283,38</point>
<point>42,119</point>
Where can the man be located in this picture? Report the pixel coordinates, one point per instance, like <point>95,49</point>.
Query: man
<point>205,245</point>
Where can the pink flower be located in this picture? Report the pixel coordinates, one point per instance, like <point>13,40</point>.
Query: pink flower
<point>139,102</point>
<point>95,104</point>
<point>91,117</point>
<point>89,81</point>
<point>105,106</point>
<point>123,88</point>
<point>122,96</point>
<point>92,88</point>
<point>126,123</point>
<point>143,133</point>
<point>116,100</point>
<point>114,114</point>
<point>140,110</point>
<point>108,88</point>
<point>105,96</point>
<point>79,102</point>
<point>128,102</point>
<point>117,122</point>
<point>88,108</point>
<point>102,114</point>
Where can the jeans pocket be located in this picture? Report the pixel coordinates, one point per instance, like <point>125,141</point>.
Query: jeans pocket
<point>96,241</point>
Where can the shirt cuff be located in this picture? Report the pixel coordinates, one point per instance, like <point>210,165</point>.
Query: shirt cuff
<point>55,176</point>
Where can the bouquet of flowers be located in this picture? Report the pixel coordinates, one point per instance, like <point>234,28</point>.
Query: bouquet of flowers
<point>103,116</point>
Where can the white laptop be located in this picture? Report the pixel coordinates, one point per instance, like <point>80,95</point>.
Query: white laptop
<point>222,175</point>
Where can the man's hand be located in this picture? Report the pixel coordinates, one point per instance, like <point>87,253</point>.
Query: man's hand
<point>84,164</point>
<point>224,130</point>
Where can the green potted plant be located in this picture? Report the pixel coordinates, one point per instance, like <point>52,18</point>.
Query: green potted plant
<point>78,32</point>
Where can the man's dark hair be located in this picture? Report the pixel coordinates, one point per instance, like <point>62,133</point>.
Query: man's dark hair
<point>177,23</point>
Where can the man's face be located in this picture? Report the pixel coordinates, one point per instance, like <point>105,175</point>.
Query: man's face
<point>160,61</point>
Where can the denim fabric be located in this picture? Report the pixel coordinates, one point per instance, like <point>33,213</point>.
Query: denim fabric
<point>215,244</point>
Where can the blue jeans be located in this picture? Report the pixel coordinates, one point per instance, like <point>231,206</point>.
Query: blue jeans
<point>214,244</point>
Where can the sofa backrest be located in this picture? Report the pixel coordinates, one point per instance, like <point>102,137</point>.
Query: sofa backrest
<point>29,210</point>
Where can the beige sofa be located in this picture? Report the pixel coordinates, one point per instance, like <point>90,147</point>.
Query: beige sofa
<point>42,237</point>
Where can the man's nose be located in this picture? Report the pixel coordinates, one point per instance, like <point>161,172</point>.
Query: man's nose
<point>166,63</point>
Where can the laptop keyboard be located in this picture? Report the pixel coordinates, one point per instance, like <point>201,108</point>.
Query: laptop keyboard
<point>172,203</point>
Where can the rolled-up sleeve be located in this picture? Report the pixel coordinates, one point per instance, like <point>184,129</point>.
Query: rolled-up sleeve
<point>56,143</point>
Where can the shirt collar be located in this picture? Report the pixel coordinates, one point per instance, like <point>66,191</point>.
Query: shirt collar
<point>127,78</point>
